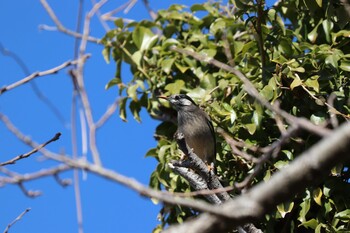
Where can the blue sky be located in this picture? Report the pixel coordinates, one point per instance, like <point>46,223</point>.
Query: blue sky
<point>107,207</point>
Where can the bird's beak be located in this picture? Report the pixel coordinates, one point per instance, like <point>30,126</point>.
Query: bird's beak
<point>163,97</point>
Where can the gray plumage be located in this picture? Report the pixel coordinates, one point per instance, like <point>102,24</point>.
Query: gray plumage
<point>196,126</point>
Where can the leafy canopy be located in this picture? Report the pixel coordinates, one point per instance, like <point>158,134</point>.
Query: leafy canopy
<point>295,53</point>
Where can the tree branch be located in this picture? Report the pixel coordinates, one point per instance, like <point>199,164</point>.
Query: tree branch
<point>16,220</point>
<point>39,74</point>
<point>309,168</point>
<point>194,162</point>
<point>26,155</point>
<point>60,26</point>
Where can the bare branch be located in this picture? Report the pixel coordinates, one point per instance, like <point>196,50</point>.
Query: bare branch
<point>79,78</point>
<point>35,88</point>
<point>26,155</point>
<point>39,74</point>
<point>109,112</point>
<point>18,178</point>
<point>60,26</point>
<point>16,220</point>
<point>99,15</point>
<point>29,193</point>
<point>149,9</point>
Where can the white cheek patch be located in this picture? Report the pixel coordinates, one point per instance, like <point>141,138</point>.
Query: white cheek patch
<point>186,102</point>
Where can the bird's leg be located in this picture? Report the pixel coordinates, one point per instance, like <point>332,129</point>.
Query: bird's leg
<point>211,166</point>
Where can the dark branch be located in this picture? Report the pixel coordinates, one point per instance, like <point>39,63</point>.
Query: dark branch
<point>26,155</point>
<point>16,220</point>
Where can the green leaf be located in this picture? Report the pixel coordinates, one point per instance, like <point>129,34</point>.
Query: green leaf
<point>166,65</point>
<point>288,154</point>
<point>332,60</point>
<point>319,2</point>
<point>251,128</point>
<point>197,7</point>
<point>312,36</point>
<point>136,58</point>
<point>317,196</point>
<point>122,108</point>
<point>343,215</point>
<point>285,208</point>
<point>345,65</point>
<point>267,92</point>
<point>114,81</point>
<point>312,82</point>
<point>182,68</point>
<point>143,38</point>
<point>317,120</point>
<point>131,91</point>
<point>176,87</point>
<point>106,53</point>
<point>169,42</point>
<point>119,23</point>
<point>233,116</point>
<point>327,27</point>
<point>217,25</point>
<point>305,207</point>
<point>135,109</point>
<point>312,223</point>
<point>151,152</point>
<point>154,182</point>
<point>296,82</point>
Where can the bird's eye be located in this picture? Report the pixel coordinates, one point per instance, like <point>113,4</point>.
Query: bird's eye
<point>177,97</point>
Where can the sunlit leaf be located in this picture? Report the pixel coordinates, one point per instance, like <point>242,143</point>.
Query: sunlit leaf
<point>285,208</point>
<point>312,223</point>
<point>296,82</point>
<point>175,88</point>
<point>317,196</point>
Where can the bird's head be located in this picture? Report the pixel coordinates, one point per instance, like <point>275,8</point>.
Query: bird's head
<point>179,101</point>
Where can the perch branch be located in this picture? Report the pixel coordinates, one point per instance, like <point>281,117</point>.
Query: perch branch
<point>307,169</point>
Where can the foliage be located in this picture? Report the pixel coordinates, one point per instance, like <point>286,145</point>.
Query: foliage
<point>295,53</point>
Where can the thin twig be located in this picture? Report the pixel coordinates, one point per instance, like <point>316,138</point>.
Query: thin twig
<point>109,112</point>
<point>29,193</point>
<point>332,115</point>
<point>99,16</point>
<point>149,9</point>
<point>60,26</point>
<point>39,74</point>
<point>81,86</point>
<point>19,217</point>
<point>260,39</point>
<point>234,149</point>
<point>108,15</point>
<point>26,155</point>
<point>35,88</point>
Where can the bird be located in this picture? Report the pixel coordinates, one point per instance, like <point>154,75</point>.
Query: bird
<point>196,127</point>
